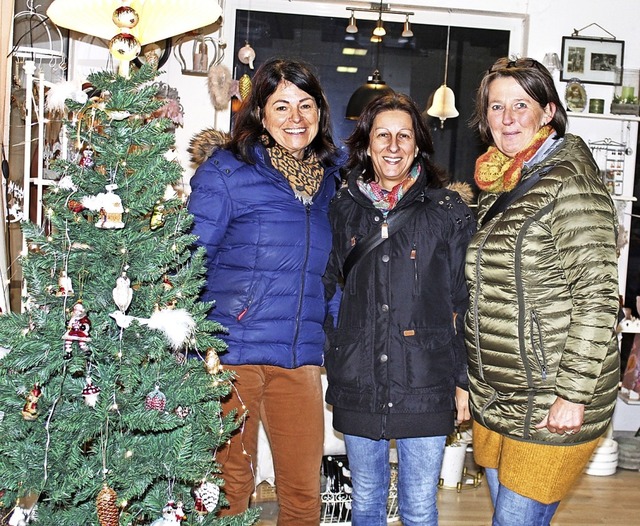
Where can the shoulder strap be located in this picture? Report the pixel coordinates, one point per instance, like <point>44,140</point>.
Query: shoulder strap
<point>505,200</point>
<point>375,237</point>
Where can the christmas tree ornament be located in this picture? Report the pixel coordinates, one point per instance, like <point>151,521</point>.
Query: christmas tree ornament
<point>90,393</point>
<point>78,328</point>
<point>177,325</point>
<point>109,208</point>
<point>172,514</point>
<point>30,409</point>
<point>157,216</point>
<point>122,293</point>
<point>108,514</point>
<point>86,161</point>
<point>182,412</point>
<point>65,287</point>
<point>125,16</point>
<point>209,493</point>
<point>212,362</point>
<point>155,400</point>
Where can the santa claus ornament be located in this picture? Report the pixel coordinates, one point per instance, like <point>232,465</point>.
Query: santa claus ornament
<point>30,409</point>
<point>78,329</point>
<point>172,515</point>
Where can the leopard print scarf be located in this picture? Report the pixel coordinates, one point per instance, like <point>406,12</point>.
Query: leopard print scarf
<point>303,176</point>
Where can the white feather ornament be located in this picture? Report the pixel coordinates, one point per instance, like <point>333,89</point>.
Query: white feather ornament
<point>59,93</point>
<point>176,324</point>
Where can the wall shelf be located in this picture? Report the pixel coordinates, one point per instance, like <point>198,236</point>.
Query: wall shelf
<point>604,116</point>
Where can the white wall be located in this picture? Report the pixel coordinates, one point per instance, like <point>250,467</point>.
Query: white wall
<point>538,26</point>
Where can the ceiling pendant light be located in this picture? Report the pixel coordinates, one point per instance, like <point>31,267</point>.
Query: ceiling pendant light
<point>374,87</point>
<point>352,27</point>
<point>444,100</point>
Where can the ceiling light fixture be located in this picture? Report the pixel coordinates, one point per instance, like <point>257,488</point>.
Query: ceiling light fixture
<point>379,30</point>
<point>444,100</point>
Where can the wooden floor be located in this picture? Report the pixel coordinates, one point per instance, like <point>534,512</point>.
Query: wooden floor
<point>610,501</point>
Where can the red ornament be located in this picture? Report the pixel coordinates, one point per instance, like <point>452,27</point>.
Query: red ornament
<point>155,400</point>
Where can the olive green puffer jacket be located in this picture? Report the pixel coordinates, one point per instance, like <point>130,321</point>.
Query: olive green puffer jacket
<point>544,301</point>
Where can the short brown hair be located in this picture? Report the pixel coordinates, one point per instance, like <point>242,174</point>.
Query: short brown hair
<point>534,78</point>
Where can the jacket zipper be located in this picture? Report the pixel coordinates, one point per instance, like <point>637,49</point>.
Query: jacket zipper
<point>476,329</point>
<point>541,357</point>
<point>413,255</point>
<point>302,282</point>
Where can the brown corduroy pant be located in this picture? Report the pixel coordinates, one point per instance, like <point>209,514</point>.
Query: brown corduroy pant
<point>289,402</point>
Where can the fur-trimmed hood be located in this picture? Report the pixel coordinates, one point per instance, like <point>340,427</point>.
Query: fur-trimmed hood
<point>204,143</point>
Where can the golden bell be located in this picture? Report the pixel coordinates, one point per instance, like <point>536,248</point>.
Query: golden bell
<point>444,104</point>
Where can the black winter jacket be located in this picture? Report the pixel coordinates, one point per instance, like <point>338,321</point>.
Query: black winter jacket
<point>397,351</point>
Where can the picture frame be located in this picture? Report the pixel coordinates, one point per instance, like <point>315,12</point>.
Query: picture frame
<point>592,60</point>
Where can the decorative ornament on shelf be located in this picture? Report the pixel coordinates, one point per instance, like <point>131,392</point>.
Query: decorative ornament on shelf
<point>575,95</point>
<point>155,400</point>
<point>78,328</point>
<point>90,393</point>
<point>30,409</point>
<point>625,99</point>
<point>108,514</point>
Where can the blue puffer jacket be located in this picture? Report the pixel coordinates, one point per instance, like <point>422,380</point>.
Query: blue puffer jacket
<point>266,253</point>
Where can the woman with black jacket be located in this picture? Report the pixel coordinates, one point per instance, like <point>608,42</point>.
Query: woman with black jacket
<point>396,359</point>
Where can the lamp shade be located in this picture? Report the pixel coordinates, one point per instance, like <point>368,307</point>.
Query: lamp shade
<point>444,104</point>
<point>374,88</point>
<point>158,19</point>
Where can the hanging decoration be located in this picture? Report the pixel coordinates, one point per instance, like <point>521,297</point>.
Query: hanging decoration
<point>107,508</point>
<point>30,409</point>
<point>155,400</point>
<point>177,325</point>
<point>65,286</point>
<point>212,362</point>
<point>444,100</point>
<point>208,494</point>
<point>90,393</point>
<point>172,514</point>
<point>78,328</point>
<point>109,207</point>
<point>122,293</point>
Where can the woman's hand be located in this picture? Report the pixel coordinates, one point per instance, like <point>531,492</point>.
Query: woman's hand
<point>564,417</point>
<point>462,405</point>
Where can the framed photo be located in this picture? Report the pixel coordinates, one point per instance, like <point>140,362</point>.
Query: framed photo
<point>592,60</point>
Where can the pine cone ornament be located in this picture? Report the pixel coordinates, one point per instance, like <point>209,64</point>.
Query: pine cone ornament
<point>107,509</point>
<point>209,493</point>
<point>244,85</point>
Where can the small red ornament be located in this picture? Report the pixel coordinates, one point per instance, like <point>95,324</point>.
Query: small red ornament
<point>155,400</point>
<point>90,393</point>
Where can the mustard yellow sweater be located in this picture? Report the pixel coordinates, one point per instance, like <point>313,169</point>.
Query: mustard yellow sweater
<point>540,472</point>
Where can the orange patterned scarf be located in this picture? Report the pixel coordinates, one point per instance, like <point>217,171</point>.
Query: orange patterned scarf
<point>495,172</point>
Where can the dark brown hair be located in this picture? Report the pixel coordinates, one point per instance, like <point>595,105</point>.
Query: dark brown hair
<point>534,78</point>
<point>358,141</point>
<point>247,126</point>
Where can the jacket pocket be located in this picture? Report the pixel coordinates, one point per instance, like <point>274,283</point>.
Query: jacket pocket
<point>428,356</point>
<point>537,345</point>
<point>343,360</point>
<point>253,299</point>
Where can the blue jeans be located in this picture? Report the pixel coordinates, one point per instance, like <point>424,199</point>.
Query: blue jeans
<point>512,509</point>
<point>419,465</point>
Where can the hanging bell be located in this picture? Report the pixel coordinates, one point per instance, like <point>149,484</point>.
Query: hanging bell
<point>444,104</point>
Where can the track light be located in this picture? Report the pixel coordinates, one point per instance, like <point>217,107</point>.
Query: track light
<point>379,30</point>
<point>352,27</point>
<point>406,30</point>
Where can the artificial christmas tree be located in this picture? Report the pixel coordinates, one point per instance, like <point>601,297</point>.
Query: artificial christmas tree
<point>106,417</point>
